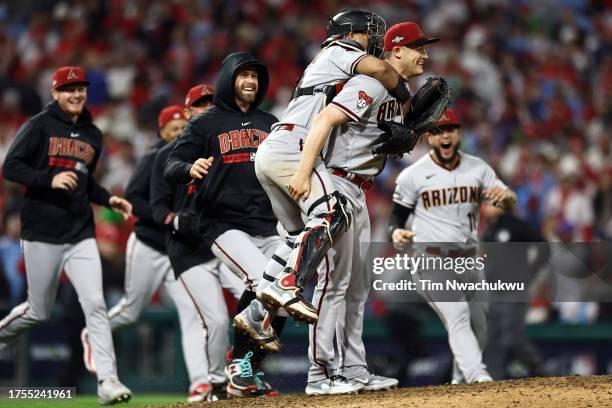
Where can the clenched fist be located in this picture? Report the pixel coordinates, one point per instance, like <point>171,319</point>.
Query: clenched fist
<point>401,237</point>
<point>66,180</point>
<point>200,168</point>
<point>121,205</point>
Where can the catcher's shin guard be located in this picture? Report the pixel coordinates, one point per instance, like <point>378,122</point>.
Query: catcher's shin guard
<point>314,242</point>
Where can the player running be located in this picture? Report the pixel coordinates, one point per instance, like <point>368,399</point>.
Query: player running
<point>196,268</point>
<point>55,155</point>
<point>442,192</point>
<point>233,212</point>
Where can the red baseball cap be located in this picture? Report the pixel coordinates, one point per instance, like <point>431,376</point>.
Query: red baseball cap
<point>198,92</point>
<point>68,75</point>
<point>449,117</point>
<point>406,34</point>
<point>170,113</point>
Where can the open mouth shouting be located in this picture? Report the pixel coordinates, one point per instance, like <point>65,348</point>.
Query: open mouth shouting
<point>446,149</point>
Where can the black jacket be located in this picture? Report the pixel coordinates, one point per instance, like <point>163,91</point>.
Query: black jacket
<point>138,192</point>
<point>231,197</point>
<point>184,251</point>
<point>47,144</point>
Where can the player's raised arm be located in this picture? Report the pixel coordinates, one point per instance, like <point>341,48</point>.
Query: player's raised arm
<point>386,75</point>
<point>325,121</point>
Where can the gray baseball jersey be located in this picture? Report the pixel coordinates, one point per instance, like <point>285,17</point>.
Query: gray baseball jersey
<point>340,296</point>
<point>335,63</point>
<point>367,103</point>
<point>445,203</point>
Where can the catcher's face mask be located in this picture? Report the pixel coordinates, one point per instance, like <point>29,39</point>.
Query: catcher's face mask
<point>376,28</point>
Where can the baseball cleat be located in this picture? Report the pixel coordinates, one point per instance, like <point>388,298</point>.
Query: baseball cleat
<point>200,393</point>
<point>256,322</point>
<point>217,393</point>
<point>87,353</point>
<point>264,387</point>
<point>484,379</point>
<point>285,293</point>
<point>111,391</point>
<point>334,385</point>
<point>374,382</point>
<point>242,382</point>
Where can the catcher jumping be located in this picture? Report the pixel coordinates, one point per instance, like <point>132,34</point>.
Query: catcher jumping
<point>355,153</point>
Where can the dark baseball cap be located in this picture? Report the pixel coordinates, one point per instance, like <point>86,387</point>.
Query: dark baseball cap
<point>68,75</point>
<point>198,92</point>
<point>406,34</point>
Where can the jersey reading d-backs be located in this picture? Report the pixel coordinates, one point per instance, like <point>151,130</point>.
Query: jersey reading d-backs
<point>445,202</point>
<point>46,145</point>
<point>230,196</point>
<point>367,103</point>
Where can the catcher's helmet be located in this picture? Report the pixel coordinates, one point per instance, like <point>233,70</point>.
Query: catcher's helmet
<point>358,21</point>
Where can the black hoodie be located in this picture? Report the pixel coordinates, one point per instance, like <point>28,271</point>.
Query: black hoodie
<point>184,252</point>
<point>47,144</point>
<point>138,192</point>
<point>231,197</point>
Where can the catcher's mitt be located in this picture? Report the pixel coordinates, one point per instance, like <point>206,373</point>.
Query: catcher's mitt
<point>397,139</point>
<point>427,106</point>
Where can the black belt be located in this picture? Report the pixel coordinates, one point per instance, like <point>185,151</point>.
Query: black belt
<point>452,253</point>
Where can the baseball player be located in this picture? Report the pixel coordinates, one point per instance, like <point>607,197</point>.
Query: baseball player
<point>148,266</point>
<point>442,191</point>
<point>346,130</point>
<point>233,212</point>
<point>196,268</point>
<point>353,46</point>
<point>54,155</point>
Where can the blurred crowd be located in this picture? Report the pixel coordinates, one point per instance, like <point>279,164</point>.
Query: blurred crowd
<point>533,81</point>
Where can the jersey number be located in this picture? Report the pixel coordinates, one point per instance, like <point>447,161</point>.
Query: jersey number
<point>472,219</point>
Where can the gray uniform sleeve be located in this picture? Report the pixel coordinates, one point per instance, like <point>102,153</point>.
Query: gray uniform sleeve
<point>406,192</point>
<point>347,60</point>
<point>489,178</point>
<point>359,96</point>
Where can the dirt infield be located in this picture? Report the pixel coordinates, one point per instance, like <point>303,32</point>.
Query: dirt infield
<point>563,392</point>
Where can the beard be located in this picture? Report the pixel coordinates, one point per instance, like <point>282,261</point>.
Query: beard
<point>244,97</point>
<point>438,153</point>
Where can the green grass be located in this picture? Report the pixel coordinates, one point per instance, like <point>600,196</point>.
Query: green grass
<point>86,401</point>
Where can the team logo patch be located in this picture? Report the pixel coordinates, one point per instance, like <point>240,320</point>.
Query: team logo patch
<point>397,39</point>
<point>364,100</point>
<point>72,74</point>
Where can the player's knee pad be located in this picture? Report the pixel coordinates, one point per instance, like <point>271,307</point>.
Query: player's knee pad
<point>314,242</point>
